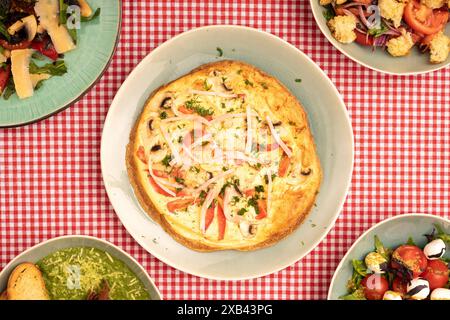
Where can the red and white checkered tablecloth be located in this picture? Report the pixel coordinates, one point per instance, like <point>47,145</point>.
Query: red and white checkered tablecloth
<point>50,178</point>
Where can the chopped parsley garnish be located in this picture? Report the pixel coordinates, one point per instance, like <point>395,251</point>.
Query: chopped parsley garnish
<point>239,71</point>
<point>166,160</point>
<point>219,51</point>
<point>222,104</point>
<point>292,123</point>
<point>266,178</point>
<point>252,202</point>
<point>194,169</point>
<point>259,189</point>
<point>235,200</point>
<point>298,80</point>
<point>179,180</point>
<point>264,85</point>
<point>242,211</point>
<point>207,86</point>
<point>202,194</point>
<point>163,115</point>
<point>194,104</point>
<point>180,139</point>
<point>248,82</point>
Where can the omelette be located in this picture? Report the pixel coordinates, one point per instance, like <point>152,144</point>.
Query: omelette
<point>223,159</point>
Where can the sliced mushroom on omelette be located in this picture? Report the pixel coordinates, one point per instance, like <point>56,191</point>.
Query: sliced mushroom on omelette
<point>223,158</point>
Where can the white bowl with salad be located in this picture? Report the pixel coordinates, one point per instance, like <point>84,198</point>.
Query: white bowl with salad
<point>402,258</point>
<point>76,268</point>
<point>401,37</point>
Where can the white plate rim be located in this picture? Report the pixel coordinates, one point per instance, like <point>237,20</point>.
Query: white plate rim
<point>365,233</point>
<point>332,41</point>
<point>340,205</point>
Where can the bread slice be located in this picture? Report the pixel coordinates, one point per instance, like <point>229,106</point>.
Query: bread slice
<point>26,283</point>
<point>3,296</point>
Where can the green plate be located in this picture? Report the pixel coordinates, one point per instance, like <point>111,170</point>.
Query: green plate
<point>96,45</point>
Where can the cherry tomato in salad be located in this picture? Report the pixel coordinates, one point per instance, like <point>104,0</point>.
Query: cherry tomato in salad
<point>400,285</point>
<point>185,110</point>
<point>374,286</point>
<point>410,258</point>
<point>423,19</point>
<point>363,39</point>
<point>436,274</point>
<point>46,47</point>
<point>5,73</point>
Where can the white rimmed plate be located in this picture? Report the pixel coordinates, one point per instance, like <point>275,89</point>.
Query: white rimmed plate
<point>379,60</point>
<point>392,232</point>
<point>329,122</point>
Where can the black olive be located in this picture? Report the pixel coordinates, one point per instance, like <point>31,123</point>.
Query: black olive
<point>225,87</point>
<point>210,175</point>
<point>276,124</point>
<point>150,124</point>
<point>306,172</point>
<point>155,148</point>
<point>165,104</point>
<point>252,229</point>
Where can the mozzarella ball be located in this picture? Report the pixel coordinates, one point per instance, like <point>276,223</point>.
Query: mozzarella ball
<point>418,289</point>
<point>435,249</point>
<point>375,262</point>
<point>392,295</point>
<point>440,294</point>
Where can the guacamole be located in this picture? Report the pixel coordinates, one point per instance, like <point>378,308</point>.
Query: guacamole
<point>76,273</point>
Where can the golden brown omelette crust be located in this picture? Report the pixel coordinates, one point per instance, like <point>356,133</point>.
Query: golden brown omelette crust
<point>290,210</point>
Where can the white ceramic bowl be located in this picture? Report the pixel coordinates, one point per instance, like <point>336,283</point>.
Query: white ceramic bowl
<point>414,63</point>
<point>392,232</point>
<point>327,115</point>
<point>45,248</point>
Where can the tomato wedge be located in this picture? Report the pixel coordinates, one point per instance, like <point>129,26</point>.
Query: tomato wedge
<point>222,222</point>
<point>262,207</point>
<point>180,204</point>
<point>185,110</point>
<point>209,216</point>
<point>363,39</point>
<point>423,19</point>
<point>284,165</point>
<point>160,173</point>
<point>140,153</point>
<point>46,47</point>
<point>158,188</point>
<point>5,73</point>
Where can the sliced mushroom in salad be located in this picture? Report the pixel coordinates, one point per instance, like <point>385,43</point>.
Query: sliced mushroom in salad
<point>408,272</point>
<point>394,25</point>
<point>34,36</point>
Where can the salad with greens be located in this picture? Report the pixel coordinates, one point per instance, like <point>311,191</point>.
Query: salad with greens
<point>408,272</point>
<point>34,36</point>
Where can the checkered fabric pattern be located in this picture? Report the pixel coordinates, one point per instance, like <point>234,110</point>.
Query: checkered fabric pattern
<point>50,178</point>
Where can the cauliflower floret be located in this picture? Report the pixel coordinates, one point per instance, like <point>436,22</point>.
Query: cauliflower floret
<point>342,28</point>
<point>433,4</point>
<point>401,45</point>
<point>439,48</point>
<point>392,10</point>
<point>324,2</point>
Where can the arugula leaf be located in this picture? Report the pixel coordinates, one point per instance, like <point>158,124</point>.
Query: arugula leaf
<point>381,249</point>
<point>441,234</point>
<point>359,267</point>
<point>4,31</point>
<point>328,13</point>
<point>95,15</point>
<point>355,295</point>
<point>10,89</point>
<point>62,12</point>
<point>57,68</point>
<point>376,32</point>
